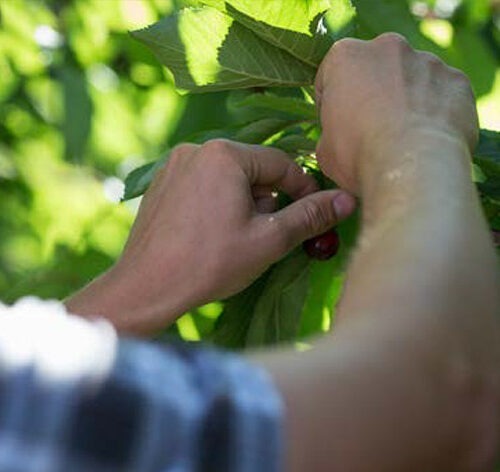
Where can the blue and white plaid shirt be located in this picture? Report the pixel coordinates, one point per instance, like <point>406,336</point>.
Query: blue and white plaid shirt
<point>74,397</point>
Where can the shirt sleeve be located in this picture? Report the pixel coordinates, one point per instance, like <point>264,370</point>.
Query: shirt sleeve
<point>74,397</point>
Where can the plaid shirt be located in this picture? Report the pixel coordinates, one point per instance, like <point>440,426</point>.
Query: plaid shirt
<point>74,398</point>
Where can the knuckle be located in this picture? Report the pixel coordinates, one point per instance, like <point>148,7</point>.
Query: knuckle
<point>461,82</point>
<point>344,45</point>
<point>218,146</point>
<point>432,59</point>
<point>177,156</point>
<point>459,76</point>
<point>180,150</point>
<point>341,51</point>
<point>392,39</point>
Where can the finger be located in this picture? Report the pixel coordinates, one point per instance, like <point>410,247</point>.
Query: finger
<point>272,167</point>
<point>265,166</point>
<point>176,156</point>
<point>265,199</point>
<point>179,154</point>
<point>261,191</point>
<point>307,217</point>
<point>266,204</point>
<point>342,46</point>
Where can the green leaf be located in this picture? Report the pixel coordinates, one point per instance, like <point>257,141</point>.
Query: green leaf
<point>304,29</point>
<point>77,113</point>
<point>289,105</point>
<point>257,132</point>
<point>207,50</point>
<point>377,17</point>
<point>138,181</point>
<point>292,15</point>
<point>248,113</point>
<point>487,153</point>
<point>202,112</point>
<point>325,283</point>
<point>232,325</point>
<point>327,280</point>
<point>59,278</point>
<point>473,55</point>
<point>278,309</point>
<point>203,136</point>
<point>295,144</point>
<point>478,11</point>
<point>491,210</point>
<point>487,156</point>
<point>478,174</point>
<point>269,310</point>
<point>260,131</point>
<point>495,226</point>
<point>491,189</point>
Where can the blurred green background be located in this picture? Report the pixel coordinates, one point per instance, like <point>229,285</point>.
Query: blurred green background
<point>82,104</point>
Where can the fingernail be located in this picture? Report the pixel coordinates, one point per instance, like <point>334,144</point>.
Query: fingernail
<point>344,204</point>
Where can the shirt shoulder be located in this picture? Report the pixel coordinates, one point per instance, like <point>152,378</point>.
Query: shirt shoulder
<point>118,404</point>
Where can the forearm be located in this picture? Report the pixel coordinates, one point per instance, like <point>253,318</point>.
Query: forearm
<point>425,257</point>
<point>402,382</point>
<point>408,379</point>
<point>422,296</point>
<point>118,296</point>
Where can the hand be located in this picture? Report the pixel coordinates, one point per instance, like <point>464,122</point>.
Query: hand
<point>381,96</point>
<point>206,229</point>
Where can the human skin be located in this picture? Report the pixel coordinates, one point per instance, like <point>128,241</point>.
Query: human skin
<point>206,229</point>
<point>409,379</point>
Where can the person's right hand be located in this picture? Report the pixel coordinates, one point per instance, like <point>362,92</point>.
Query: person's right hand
<point>375,95</point>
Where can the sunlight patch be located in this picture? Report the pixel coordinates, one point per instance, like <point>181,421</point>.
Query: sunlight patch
<point>201,55</point>
<point>60,347</point>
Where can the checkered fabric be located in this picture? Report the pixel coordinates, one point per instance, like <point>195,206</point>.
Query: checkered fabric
<point>74,397</point>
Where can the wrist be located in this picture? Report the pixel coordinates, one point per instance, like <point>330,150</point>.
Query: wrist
<point>396,161</point>
<point>133,301</point>
<point>423,171</point>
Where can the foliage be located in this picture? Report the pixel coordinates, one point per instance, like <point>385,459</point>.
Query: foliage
<point>83,103</point>
<point>257,45</point>
<point>79,109</point>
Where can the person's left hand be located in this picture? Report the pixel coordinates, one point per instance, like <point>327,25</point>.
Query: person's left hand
<point>206,229</point>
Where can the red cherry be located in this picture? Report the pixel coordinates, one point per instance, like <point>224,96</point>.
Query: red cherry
<point>322,247</point>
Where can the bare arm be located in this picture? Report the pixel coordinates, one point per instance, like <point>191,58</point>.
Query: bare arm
<point>408,381</point>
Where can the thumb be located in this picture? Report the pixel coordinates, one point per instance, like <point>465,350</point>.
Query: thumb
<point>310,216</point>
